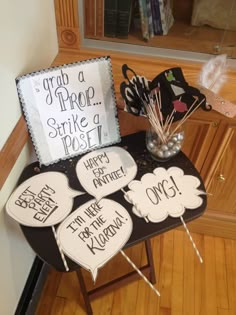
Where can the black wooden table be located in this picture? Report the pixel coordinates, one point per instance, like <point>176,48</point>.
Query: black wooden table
<point>42,239</point>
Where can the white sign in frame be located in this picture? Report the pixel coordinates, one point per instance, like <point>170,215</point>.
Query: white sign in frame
<point>70,109</point>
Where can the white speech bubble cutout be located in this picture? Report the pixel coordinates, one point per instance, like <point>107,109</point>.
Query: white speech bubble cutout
<point>164,192</point>
<point>105,171</point>
<point>94,233</point>
<point>42,200</point>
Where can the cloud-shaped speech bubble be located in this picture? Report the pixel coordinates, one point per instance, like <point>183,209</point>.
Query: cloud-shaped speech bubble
<point>94,233</point>
<point>164,192</point>
<point>105,171</point>
<point>42,200</point>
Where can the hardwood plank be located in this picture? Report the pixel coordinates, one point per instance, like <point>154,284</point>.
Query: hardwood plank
<point>222,311</point>
<point>144,291</point>
<point>178,273</point>
<point>165,311</point>
<point>129,293</point>
<point>124,297</point>
<point>188,286</point>
<point>230,252</point>
<point>188,291</point>
<point>221,276</point>
<point>119,298</point>
<point>58,306</point>
<point>69,289</point>
<point>103,305</point>
<point>198,274</point>
<point>154,300</point>
<point>166,270</point>
<point>130,300</point>
<point>209,305</point>
<point>69,286</point>
<point>49,293</point>
<point>70,307</point>
<point>80,311</point>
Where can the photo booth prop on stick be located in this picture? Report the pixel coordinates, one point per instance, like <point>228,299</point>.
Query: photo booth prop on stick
<point>166,99</point>
<point>94,233</point>
<point>165,193</point>
<point>211,78</point>
<point>70,109</point>
<point>43,200</point>
<point>169,88</point>
<point>105,171</point>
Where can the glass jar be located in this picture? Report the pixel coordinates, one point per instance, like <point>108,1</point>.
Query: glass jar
<point>164,150</point>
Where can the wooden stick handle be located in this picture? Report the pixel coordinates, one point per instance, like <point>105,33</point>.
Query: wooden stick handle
<point>60,249</point>
<point>140,273</point>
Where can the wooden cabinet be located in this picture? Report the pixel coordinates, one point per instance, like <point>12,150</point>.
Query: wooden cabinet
<point>222,184</point>
<point>221,180</point>
<point>219,172</point>
<point>210,137</point>
<point>200,133</point>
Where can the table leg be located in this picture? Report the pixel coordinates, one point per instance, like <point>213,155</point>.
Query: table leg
<point>84,292</point>
<point>150,260</point>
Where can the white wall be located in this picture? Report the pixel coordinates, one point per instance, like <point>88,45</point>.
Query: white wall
<point>28,43</point>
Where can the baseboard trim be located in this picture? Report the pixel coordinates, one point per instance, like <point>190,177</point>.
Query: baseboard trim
<point>32,291</point>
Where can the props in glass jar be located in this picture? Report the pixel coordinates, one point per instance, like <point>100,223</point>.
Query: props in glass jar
<point>167,101</point>
<point>163,151</point>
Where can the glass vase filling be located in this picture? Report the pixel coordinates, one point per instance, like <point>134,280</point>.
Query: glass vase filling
<point>164,149</point>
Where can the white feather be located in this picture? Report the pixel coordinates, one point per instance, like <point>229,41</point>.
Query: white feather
<point>213,74</point>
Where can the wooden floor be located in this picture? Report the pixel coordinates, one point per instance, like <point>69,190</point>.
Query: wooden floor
<point>187,287</point>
